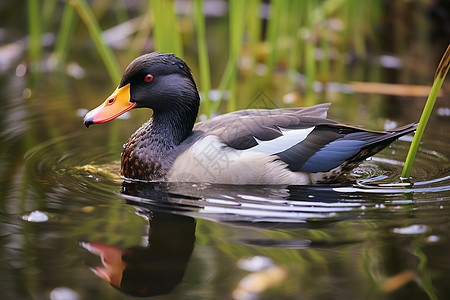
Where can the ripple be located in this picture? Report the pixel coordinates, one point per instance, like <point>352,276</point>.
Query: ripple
<point>61,163</point>
<point>377,187</point>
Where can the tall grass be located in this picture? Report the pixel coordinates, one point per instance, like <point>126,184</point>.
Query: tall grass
<point>203,56</point>
<point>166,31</point>
<point>310,59</point>
<point>273,29</point>
<point>107,55</point>
<point>290,36</point>
<point>65,33</point>
<point>34,28</point>
<point>236,25</point>
<point>285,39</point>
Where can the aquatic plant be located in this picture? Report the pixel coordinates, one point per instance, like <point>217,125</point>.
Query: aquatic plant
<point>439,77</point>
<point>282,36</point>
<point>105,52</point>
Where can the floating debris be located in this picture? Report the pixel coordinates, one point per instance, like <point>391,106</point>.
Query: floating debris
<point>443,111</point>
<point>63,293</point>
<point>433,239</point>
<point>255,263</point>
<point>397,281</point>
<point>36,216</point>
<point>413,229</point>
<point>265,274</point>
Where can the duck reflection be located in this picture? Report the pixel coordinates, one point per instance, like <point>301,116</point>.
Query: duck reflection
<point>152,270</point>
<point>170,210</point>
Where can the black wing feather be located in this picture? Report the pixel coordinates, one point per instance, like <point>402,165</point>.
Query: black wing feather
<point>239,129</point>
<point>329,145</point>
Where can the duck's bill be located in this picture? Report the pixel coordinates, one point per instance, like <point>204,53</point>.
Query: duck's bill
<point>115,105</point>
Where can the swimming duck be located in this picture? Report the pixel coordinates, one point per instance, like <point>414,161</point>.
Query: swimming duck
<point>294,146</point>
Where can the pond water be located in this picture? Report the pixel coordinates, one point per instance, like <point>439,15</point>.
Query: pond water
<point>70,228</point>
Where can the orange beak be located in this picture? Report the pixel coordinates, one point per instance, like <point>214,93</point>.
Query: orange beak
<point>115,105</point>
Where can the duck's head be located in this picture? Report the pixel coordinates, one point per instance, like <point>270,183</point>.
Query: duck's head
<point>160,81</point>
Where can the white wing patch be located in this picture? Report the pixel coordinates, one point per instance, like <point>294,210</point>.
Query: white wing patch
<point>289,138</point>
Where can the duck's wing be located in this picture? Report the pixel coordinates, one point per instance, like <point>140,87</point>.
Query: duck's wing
<point>302,138</point>
<point>329,146</point>
<point>224,120</point>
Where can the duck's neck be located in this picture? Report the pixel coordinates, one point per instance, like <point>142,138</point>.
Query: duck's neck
<point>172,127</point>
<point>148,153</point>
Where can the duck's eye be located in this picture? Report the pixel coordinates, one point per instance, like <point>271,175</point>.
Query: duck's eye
<point>148,77</point>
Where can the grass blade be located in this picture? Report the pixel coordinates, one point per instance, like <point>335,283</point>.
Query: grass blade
<point>273,27</point>
<point>105,52</point>
<point>237,18</point>
<point>34,27</point>
<point>441,72</point>
<point>203,56</point>
<point>65,34</point>
<point>166,31</point>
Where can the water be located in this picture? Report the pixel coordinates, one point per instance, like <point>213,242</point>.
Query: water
<point>70,228</point>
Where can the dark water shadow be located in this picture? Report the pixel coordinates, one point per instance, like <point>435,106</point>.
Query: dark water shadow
<point>152,270</point>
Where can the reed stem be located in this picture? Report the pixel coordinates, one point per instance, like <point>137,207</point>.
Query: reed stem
<point>237,17</point>
<point>203,56</point>
<point>34,28</point>
<point>86,14</point>
<point>165,30</point>
<point>441,72</point>
<point>68,23</point>
<point>273,32</point>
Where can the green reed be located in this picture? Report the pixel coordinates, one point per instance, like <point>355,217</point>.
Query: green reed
<point>441,72</point>
<point>290,37</point>
<point>203,56</point>
<point>254,25</point>
<point>273,28</point>
<point>65,34</point>
<point>35,31</point>
<point>137,44</point>
<point>166,31</point>
<point>294,31</point>
<point>310,60</point>
<point>294,54</point>
<point>106,53</point>
<point>110,61</point>
<point>229,77</point>
<point>237,21</point>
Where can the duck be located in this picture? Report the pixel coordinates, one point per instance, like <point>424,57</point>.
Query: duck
<point>282,146</point>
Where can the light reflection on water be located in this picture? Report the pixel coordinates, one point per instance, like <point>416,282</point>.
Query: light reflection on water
<point>64,206</point>
<point>313,236</point>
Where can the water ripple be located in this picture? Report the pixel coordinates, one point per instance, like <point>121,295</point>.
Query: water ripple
<point>377,187</point>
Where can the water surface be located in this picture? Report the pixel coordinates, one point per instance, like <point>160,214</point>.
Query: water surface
<point>64,208</point>
<point>70,227</point>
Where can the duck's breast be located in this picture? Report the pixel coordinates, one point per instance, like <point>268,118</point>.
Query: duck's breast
<point>210,160</point>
